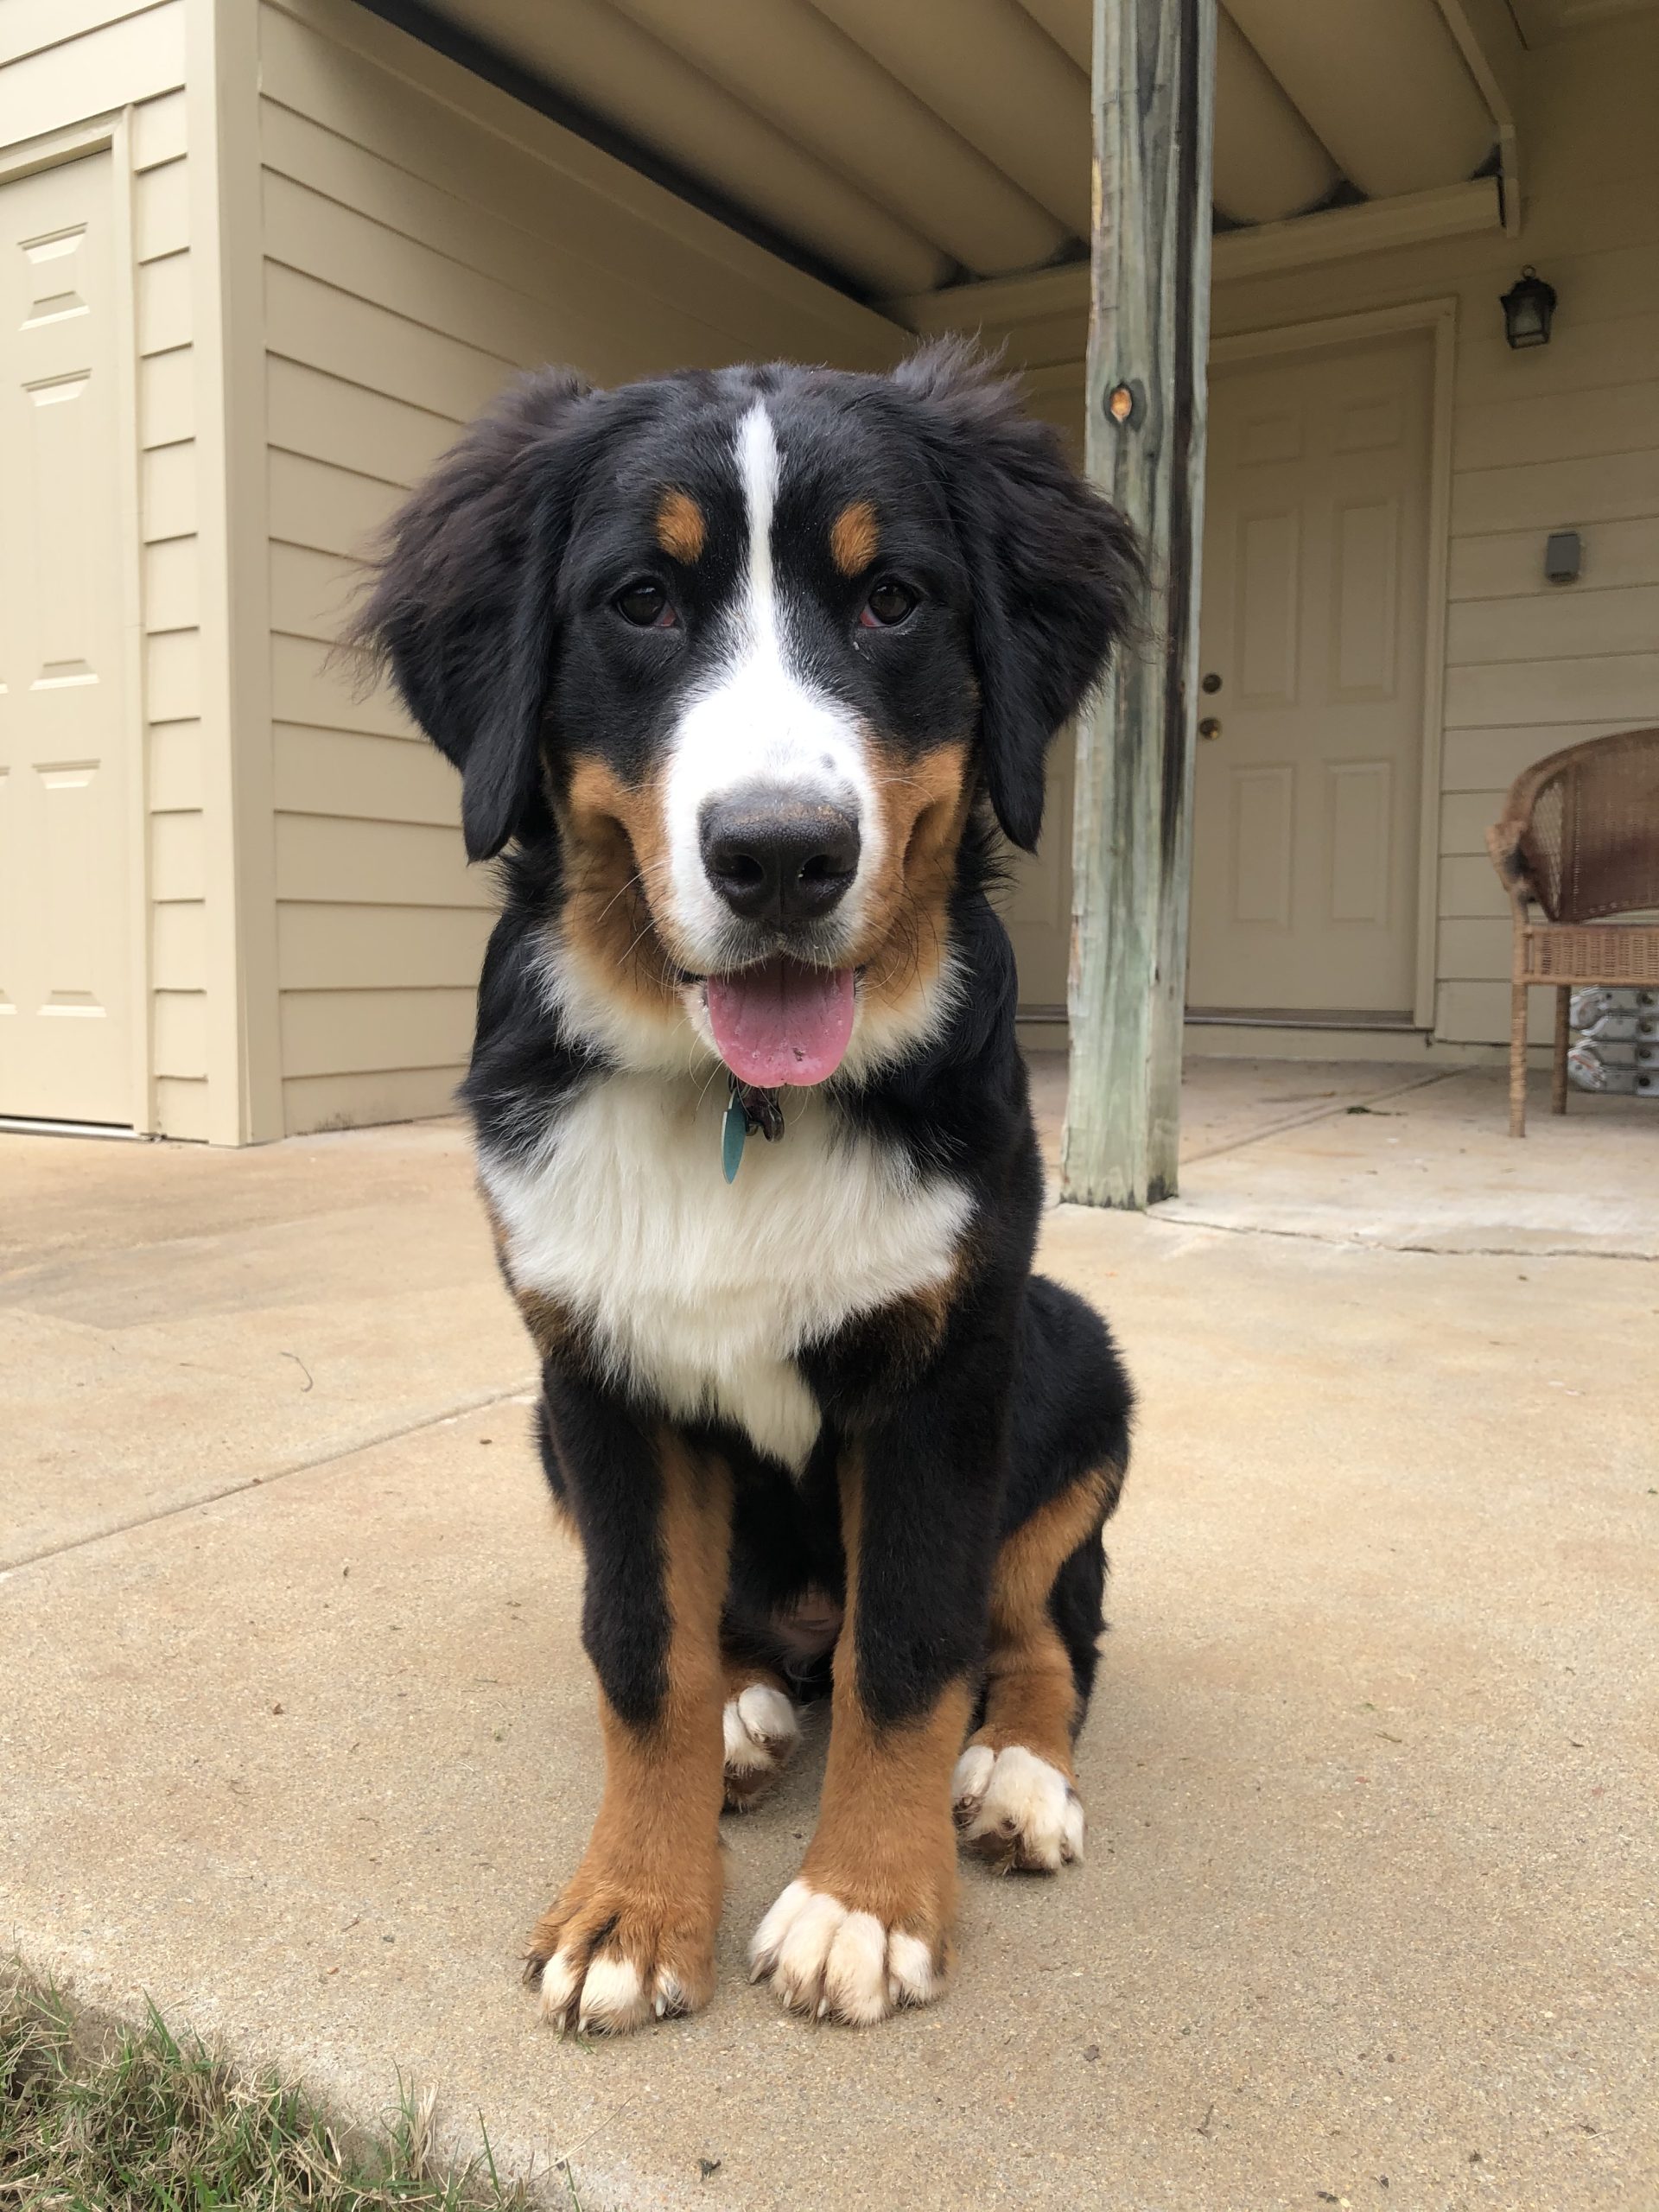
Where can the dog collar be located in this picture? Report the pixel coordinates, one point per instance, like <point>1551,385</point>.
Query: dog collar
<point>746,1110</point>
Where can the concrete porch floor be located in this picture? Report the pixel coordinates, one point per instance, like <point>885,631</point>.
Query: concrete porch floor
<point>297,1738</point>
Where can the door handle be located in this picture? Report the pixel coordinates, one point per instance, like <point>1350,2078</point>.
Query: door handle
<point>1209,727</point>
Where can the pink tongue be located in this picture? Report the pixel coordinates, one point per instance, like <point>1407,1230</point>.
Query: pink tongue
<point>782,1022</point>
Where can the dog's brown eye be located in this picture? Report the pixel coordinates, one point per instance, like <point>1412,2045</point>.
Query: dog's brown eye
<point>645,605</point>
<point>888,603</point>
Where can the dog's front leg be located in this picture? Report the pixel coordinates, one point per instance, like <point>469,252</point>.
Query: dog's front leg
<point>632,1934</point>
<point>866,1927</point>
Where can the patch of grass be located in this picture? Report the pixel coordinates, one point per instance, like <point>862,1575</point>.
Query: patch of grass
<point>100,2117</point>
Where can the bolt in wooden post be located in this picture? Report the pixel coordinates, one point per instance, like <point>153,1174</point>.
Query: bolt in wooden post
<point>1132,839</point>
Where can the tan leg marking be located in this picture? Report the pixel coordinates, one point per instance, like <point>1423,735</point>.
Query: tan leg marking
<point>866,1926</point>
<point>1031,1696</point>
<point>1015,1804</point>
<point>761,1730</point>
<point>632,1932</point>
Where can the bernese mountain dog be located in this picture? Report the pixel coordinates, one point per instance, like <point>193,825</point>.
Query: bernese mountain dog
<point>743,672</point>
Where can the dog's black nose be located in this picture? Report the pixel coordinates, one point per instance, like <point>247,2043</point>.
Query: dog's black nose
<point>780,859</point>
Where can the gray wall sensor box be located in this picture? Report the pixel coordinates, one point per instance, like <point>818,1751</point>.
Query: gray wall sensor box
<point>1563,556</point>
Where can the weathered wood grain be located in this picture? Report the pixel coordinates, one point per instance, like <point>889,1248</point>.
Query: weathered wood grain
<point>1154,96</point>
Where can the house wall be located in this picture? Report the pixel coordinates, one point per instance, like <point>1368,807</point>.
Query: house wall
<point>425,236</point>
<point>63,63</point>
<point>1562,437</point>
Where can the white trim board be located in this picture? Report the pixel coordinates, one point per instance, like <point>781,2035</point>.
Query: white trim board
<point>1335,234</point>
<point>1340,233</point>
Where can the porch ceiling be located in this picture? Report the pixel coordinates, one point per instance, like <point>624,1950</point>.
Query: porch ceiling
<point>916,146</point>
<point>1543,19</point>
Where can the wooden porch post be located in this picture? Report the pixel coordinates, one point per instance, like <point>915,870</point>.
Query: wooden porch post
<point>1132,842</point>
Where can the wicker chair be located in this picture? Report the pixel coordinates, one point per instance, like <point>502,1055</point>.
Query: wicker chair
<point>1579,837</point>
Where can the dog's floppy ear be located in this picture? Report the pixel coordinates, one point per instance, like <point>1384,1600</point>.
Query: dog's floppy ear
<point>1054,569</point>
<point>462,608</point>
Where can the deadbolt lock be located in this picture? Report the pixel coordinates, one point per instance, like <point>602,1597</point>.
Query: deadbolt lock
<point>1212,683</point>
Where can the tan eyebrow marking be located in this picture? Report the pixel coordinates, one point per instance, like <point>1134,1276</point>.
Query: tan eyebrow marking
<point>682,531</point>
<point>853,537</point>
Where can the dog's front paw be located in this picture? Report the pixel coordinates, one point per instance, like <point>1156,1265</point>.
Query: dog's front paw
<point>762,1731</point>
<point>1016,1810</point>
<point>829,1959</point>
<point>604,1961</point>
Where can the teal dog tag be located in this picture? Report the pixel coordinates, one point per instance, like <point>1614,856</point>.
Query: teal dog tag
<point>734,1134</point>
<point>747,1110</point>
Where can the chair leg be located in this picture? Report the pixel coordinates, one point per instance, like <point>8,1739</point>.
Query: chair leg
<point>1518,1060</point>
<point>1558,1065</point>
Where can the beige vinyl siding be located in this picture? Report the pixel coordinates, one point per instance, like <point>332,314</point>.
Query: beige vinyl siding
<point>61,63</point>
<point>167,370</point>
<point>425,239</point>
<point>1563,437</point>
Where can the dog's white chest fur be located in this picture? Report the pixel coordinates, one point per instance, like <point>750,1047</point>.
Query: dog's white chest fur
<point>702,1291</point>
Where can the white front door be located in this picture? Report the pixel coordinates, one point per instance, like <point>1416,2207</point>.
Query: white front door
<point>1308,779</point>
<point>66,950</point>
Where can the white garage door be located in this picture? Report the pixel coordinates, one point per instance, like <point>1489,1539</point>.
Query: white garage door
<point>65,951</point>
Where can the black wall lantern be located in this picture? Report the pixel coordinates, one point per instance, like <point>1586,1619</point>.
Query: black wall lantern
<point>1529,308</point>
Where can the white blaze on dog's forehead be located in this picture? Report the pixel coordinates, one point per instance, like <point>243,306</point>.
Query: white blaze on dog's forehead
<point>759,464</point>
<point>758,722</point>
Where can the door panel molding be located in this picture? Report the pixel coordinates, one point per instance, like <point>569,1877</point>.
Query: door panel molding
<point>1267,630</point>
<point>1261,803</point>
<point>1366,548</point>
<point>1439,317</point>
<point>1357,795</point>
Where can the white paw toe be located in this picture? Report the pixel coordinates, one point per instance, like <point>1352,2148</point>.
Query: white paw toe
<point>614,1998</point>
<point>561,1986</point>
<point>824,1959</point>
<point>609,1997</point>
<point>968,1784</point>
<point>762,1729</point>
<point>1017,1809</point>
